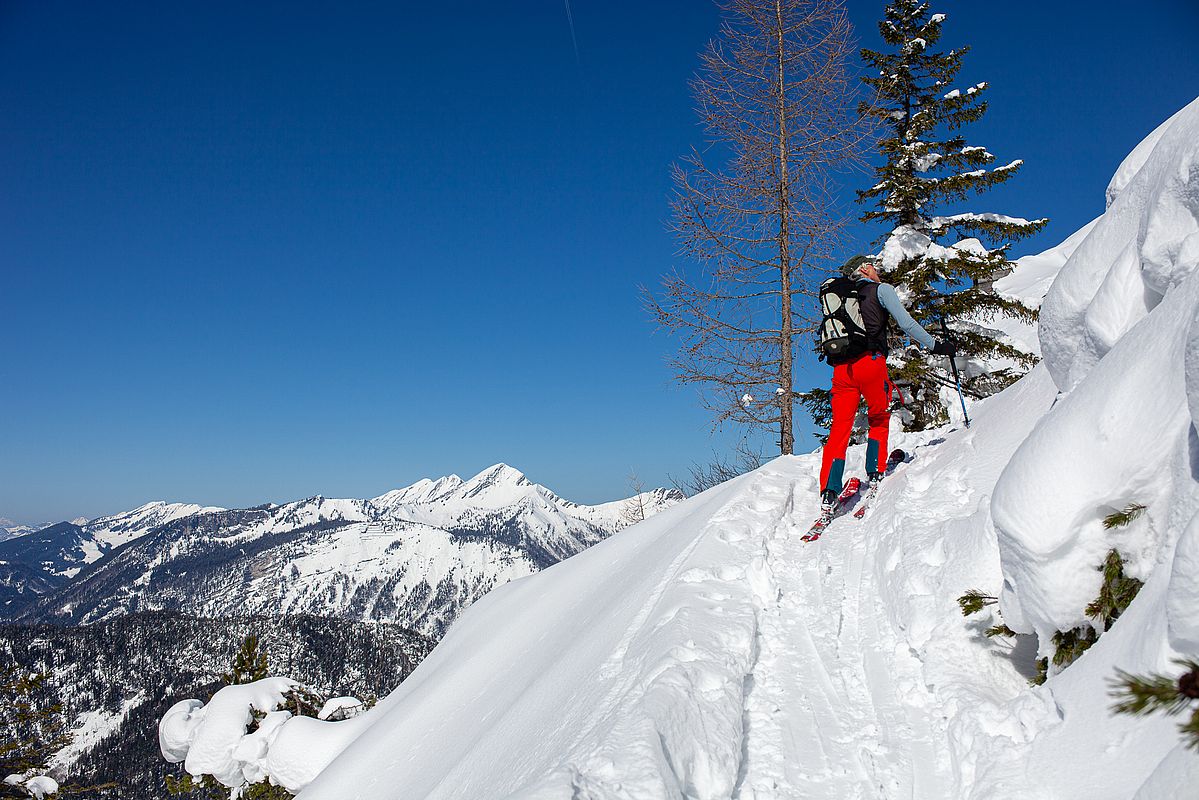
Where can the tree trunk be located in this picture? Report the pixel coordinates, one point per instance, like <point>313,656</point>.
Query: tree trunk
<point>786,406</point>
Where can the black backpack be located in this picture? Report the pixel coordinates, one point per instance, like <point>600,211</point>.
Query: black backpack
<point>842,331</point>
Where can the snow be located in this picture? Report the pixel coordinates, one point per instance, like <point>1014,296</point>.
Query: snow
<point>927,161</point>
<point>1136,159</point>
<point>211,739</point>
<point>38,786</point>
<point>92,727</point>
<point>1131,258</point>
<point>341,707</point>
<point>939,223</point>
<point>41,786</point>
<point>907,242</point>
<point>1033,274</point>
<point>1119,336</point>
<point>708,653</point>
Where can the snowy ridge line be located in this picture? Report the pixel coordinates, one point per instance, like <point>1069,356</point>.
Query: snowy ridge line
<point>678,681</point>
<point>636,724</point>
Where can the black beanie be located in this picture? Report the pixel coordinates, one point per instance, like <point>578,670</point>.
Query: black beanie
<point>850,268</point>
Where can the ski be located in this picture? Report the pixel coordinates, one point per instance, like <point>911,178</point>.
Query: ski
<point>896,458</point>
<point>847,494</point>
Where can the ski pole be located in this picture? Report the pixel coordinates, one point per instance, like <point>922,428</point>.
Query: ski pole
<point>953,364</point>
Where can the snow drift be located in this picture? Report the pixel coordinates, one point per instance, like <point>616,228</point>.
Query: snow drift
<point>708,653</point>
<point>1119,338</point>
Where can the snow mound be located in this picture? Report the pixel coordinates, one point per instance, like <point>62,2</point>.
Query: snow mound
<point>215,738</point>
<point>1123,435</point>
<point>1146,244</point>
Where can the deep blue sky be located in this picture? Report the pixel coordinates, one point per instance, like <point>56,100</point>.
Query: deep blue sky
<point>260,251</point>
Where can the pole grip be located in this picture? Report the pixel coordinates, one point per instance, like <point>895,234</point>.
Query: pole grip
<point>953,365</point>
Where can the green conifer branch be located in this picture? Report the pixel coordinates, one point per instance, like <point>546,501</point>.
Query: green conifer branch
<point>999,630</point>
<point>1139,695</point>
<point>1119,519</point>
<point>975,601</point>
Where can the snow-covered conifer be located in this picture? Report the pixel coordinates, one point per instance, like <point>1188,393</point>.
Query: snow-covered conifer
<point>940,262</point>
<point>33,733</point>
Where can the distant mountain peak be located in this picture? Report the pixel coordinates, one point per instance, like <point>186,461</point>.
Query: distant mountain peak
<point>501,473</point>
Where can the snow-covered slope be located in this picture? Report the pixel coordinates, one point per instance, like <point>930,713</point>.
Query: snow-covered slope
<point>708,653</point>
<point>416,556</point>
<point>1121,342</point>
<point>705,653</point>
<point>115,530</point>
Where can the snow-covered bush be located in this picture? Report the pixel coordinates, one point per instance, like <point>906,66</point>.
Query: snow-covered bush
<point>231,739</point>
<point>227,742</point>
<point>36,786</point>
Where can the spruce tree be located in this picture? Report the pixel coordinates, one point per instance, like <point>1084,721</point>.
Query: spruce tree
<point>33,729</point>
<point>940,263</point>
<point>249,664</point>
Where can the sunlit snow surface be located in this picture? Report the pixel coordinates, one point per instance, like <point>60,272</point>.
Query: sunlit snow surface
<point>708,653</point>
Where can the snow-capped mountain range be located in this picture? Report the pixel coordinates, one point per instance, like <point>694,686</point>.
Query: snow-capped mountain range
<point>39,559</point>
<point>416,555</point>
<point>10,529</point>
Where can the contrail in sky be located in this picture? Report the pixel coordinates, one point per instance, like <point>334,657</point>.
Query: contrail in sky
<point>571,19</point>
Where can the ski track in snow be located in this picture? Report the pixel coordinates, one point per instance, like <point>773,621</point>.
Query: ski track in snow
<point>834,706</point>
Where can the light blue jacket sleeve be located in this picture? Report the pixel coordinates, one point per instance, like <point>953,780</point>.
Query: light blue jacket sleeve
<point>890,301</point>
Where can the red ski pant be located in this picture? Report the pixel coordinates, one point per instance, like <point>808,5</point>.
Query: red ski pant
<point>864,377</point>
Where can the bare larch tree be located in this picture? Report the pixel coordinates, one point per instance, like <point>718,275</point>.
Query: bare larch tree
<point>777,101</point>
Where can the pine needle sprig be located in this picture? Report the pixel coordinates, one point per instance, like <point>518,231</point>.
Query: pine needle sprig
<point>1124,517</point>
<point>975,601</point>
<point>1116,592</point>
<point>1139,695</point>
